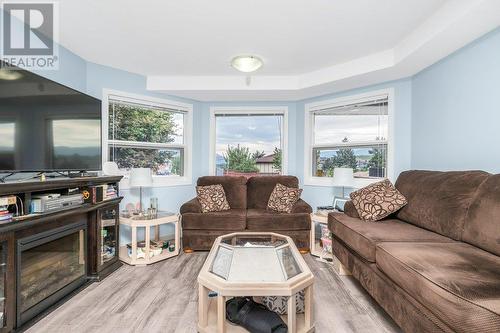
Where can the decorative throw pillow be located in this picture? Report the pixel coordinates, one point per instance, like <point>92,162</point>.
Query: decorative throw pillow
<point>283,198</point>
<point>378,200</point>
<point>279,304</point>
<point>212,198</point>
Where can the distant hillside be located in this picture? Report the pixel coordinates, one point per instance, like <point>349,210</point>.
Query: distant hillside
<point>83,151</point>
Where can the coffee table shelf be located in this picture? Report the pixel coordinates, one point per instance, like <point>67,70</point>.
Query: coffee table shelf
<point>230,328</point>
<point>253,264</point>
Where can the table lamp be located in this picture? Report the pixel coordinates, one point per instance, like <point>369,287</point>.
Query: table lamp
<point>141,177</point>
<point>343,177</point>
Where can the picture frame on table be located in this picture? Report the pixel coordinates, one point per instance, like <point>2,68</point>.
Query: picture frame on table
<point>339,202</point>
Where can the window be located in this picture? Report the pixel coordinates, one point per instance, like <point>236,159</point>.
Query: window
<point>248,141</point>
<point>353,133</point>
<point>144,132</point>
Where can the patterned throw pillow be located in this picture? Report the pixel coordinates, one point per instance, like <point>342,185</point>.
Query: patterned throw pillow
<point>283,198</point>
<point>279,304</point>
<point>212,198</point>
<point>378,200</point>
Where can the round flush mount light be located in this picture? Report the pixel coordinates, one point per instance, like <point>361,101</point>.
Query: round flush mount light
<point>247,63</point>
<point>9,75</point>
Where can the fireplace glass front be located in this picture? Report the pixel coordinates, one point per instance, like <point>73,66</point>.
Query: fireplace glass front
<point>50,267</point>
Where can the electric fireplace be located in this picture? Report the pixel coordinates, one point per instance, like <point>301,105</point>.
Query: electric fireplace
<point>50,265</point>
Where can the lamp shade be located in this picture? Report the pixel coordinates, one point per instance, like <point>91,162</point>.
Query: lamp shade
<point>110,169</point>
<point>141,177</point>
<point>343,177</point>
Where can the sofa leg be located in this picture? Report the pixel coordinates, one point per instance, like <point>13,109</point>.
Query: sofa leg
<point>188,250</point>
<point>339,267</point>
<point>304,250</point>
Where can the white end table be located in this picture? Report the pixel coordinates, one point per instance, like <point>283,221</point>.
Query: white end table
<point>318,251</point>
<point>316,248</point>
<point>149,255</point>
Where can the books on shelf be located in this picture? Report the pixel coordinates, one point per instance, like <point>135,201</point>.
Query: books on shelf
<point>5,202</point>
<point>95,194</point>
<point>9,200</point>
<point>5,215</point>
<point>110,193</point>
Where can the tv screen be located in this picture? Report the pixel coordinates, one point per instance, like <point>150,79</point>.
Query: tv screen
<point>45,126</point>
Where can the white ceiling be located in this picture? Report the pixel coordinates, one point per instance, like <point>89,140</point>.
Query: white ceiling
<point>308,47</point>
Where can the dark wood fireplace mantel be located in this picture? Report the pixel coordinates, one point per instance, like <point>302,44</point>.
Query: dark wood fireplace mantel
<point>12,234</point>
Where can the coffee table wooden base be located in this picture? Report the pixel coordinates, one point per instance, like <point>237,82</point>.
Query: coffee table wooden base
<point>253,264</point>
<point>212,314</point>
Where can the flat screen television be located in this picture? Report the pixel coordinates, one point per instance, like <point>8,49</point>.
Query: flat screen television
<point>46,126</point>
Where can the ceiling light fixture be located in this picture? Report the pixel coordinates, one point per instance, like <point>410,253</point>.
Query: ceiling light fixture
<point>246,63</point>
<point>9,75</point>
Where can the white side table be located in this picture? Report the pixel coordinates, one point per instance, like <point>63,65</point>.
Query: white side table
<point>318,220</point>
<point>149,231</point>
<point>318,251</point>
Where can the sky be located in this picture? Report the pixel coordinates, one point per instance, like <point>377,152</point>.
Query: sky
<point>179,127</point>
<point>261,133</point>
<point>334,128</point>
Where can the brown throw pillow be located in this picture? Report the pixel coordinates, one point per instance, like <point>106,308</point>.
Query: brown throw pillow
<point>378,200</point>
<point>212,198</point>
<point>283,198</point>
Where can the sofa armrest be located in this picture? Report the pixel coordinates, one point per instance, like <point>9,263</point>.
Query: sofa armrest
<point>350,210</point>
<point>192,206</point>
<point>301,207</point>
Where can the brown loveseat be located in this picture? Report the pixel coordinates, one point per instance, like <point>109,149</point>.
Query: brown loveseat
<point>434,266</point>
<point>248,201</point>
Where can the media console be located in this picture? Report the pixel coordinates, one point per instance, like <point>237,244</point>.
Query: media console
<point>45,257</point>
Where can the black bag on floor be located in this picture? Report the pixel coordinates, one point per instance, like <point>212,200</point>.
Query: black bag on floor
<point>254,317</point>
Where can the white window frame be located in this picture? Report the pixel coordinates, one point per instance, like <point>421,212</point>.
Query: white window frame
<point>310,108</point>
<point>158,181</point>
<point>246,110</point>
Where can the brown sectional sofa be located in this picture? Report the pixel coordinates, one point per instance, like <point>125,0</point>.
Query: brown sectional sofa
<point>248,201</point>
<point>434,266</point>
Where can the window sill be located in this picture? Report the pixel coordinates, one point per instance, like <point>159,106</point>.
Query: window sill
<point>328,182</point>
<point>160,181</point>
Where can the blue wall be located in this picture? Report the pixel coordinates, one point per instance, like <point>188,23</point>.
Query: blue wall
<point>456,110</point>
<point>71,72</point>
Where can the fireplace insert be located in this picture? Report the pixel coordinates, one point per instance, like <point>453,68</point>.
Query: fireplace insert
<point>50,265</point>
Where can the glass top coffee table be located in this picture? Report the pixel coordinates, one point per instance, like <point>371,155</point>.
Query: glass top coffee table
<point>253,264</point>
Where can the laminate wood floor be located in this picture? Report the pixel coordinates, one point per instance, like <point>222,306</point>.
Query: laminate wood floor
<point>163,298</point>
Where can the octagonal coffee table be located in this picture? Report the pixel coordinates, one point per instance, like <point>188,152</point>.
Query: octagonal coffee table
<point>253,264</point>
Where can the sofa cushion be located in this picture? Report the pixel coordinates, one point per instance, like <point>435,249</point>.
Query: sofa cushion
<point>234,187</point>
<point>482,224</point>
<point>259,189</point>
<point>377,201</point>
<point>350,210</point>
<point>459,283</point>
<point>301,207</point>
<point>362,236</point>
<point>191,206</point>
<point>283,198</point>
<point>268,220</point>
<point>438,201</point>
<point>233,219</point>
